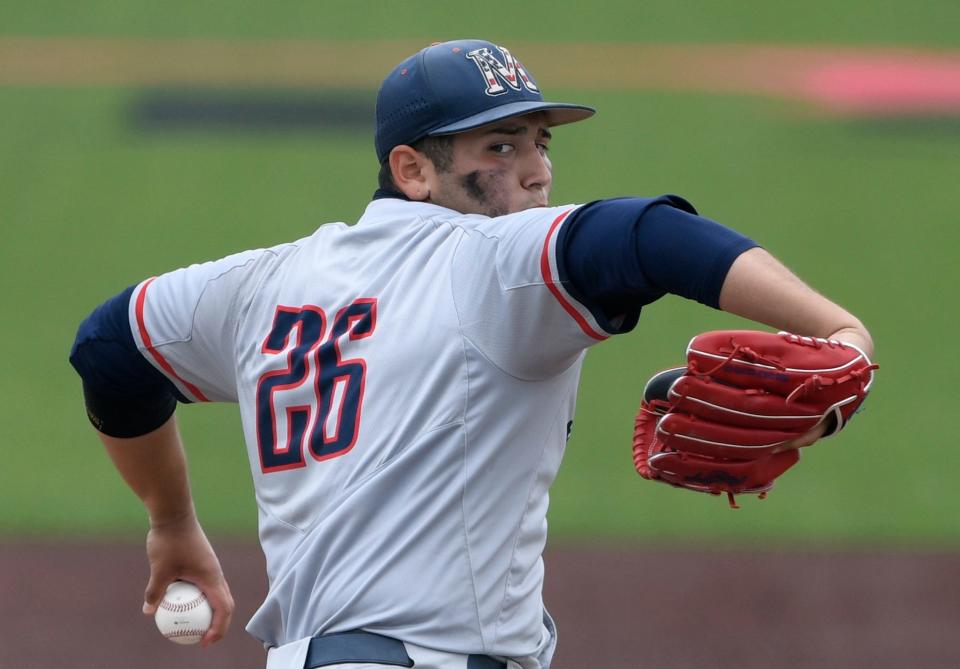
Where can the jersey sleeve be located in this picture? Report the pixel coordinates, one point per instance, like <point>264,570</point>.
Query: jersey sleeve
<point>510,300</point>
<point>185,323</point>
<point>124,395</point>
<point>618,255</point>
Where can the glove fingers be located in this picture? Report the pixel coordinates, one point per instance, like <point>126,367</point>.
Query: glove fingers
<point>785,353</point>
<point>683,432</point>
<point>807,371</point>
<point>753,408</point>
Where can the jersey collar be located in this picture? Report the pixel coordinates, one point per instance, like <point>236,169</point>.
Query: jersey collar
<point>386,208</point>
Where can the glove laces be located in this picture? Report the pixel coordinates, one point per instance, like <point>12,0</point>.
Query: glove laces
<point>816,382</point>
<point>739,353</point>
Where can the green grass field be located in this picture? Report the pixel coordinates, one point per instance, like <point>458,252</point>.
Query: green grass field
<point>865,211</point>
<point>926,22</point>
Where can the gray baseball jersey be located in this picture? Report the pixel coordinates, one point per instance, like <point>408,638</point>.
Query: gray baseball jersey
<point>406,387</point>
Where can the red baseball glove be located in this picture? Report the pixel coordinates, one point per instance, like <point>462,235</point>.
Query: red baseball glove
<point>718,425</point>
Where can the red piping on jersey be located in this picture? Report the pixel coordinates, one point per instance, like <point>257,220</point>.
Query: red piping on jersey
<point>552,284</point>
<point>148,344</point>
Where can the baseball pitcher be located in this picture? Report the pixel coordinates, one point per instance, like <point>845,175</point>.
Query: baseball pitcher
<point>407,384</point>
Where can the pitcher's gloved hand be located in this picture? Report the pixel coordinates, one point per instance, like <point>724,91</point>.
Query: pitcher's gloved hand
<point>732,419</point>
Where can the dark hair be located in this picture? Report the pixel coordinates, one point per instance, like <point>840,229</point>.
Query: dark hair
<point>438,149</point>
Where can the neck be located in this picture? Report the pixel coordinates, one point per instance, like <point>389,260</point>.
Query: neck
<point>382,193</point>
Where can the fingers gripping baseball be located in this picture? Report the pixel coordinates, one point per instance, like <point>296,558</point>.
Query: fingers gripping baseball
<point>732,420</point>
<point>181,551</point>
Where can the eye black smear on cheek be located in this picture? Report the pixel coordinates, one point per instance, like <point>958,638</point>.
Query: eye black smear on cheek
<point>471,183</point>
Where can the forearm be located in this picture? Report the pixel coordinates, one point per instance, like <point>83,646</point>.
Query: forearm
<point>760,288</point>
<point>154,467</point>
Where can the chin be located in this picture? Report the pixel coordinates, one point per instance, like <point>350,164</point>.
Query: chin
<point>532,205</point>
<point>495,211</point>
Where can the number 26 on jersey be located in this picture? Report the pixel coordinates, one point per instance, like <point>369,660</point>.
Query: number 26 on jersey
<point>313,403</point>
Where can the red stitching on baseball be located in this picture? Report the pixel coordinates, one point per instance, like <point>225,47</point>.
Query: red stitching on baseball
<point>182,607</point>
<point>187,632</point>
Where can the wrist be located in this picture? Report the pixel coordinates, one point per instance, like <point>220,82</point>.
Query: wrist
<point>172,518</point>
<point>857,336</point>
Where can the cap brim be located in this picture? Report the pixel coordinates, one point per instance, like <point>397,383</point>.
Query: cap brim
<point>558,113</point>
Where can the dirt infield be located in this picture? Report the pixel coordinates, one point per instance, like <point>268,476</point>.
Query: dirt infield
<point>77,606</point>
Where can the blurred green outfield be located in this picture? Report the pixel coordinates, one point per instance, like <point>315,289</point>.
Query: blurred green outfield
<point>864,210</point>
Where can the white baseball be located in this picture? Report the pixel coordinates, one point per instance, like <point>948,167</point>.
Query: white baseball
<point>184,615</point>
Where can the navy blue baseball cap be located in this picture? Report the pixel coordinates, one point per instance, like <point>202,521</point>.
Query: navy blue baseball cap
<point>455,86</point>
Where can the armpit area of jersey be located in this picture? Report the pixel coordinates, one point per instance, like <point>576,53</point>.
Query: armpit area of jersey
<point>124,394</point>
<point>619,255</point>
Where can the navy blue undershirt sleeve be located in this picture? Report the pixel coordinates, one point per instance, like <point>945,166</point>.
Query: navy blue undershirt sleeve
<point>125,395</point>
<point>615,256</point>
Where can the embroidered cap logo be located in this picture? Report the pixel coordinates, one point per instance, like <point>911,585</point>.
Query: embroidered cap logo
<point>509,72</point>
